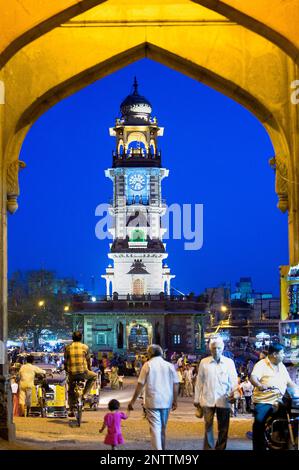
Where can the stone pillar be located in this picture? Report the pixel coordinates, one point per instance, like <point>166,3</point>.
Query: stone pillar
<point>293,222</point>
<point>112,288</point>
<point>293,174</point>
<point>168,287</point>
<point>7,429</point>
<point>107,288</point>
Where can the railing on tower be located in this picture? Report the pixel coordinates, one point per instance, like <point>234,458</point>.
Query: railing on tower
<point>145,297</point>
<point>138,156</point>
<point>144,201</point>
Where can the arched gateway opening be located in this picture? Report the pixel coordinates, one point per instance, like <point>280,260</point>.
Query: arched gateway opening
<point>188,60</point>
<point>189,178</point>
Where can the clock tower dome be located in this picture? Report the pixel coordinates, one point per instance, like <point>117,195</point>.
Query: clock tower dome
<point>137,250</point>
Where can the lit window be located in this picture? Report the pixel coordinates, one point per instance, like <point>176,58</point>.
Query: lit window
<point>176,339</point>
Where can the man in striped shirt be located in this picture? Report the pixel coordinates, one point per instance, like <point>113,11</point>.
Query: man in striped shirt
<point>78,367</point>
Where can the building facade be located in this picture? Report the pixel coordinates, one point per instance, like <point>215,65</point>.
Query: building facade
<point>124,326</point>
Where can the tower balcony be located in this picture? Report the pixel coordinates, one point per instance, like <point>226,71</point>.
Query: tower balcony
<point>139,158</point>
<point>137,200</point>
<point>130,201</point>
<point>142,201</point>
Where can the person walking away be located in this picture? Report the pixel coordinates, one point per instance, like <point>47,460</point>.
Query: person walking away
<point>112,421</point>
<point>194,375</point>
<point>238,397</point>
<point>188,388</point>
<point>180,361</point>
<point>160,382</point>
<point>78,367</point>
<point>27,375</point>
<point>138,365</point>
<point>173,358</point>
<point>121,381</point>
<point>15,396</point>
<point>270,379</point>
<point>214,389</point>
<point>114,378</point>
<point>181,381</point>
<point>247,388</point>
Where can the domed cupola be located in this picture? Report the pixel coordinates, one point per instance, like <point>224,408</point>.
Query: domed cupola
<point>136,109</point>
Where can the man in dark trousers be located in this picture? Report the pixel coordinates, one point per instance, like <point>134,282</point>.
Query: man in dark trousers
<point>160,382</point>
<point>270,379</point>
<point>78,367</point>
<point>216,383</point>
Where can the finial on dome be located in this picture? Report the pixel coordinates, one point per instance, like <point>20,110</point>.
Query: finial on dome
<point>135,85</point>
<point>136,108</point>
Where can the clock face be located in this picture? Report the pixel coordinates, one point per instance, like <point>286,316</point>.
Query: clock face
<point>137,181</point>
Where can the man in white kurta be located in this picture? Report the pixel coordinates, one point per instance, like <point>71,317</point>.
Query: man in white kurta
<point>214,388</point>
<point>159,380</point>
<point>26,375</point>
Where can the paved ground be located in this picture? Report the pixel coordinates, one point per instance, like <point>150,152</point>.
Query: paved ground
<point>185,431</point>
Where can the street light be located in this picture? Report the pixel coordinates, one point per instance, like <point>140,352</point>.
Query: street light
<point>223,308</point>
<point>41,304</point>
<point>66,308</point>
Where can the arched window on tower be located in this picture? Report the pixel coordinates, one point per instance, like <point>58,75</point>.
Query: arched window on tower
<point>138,236</point>
<point>136,148</point>
<point>138,287</point>
<point>120,147</point>
<point>137,144</point>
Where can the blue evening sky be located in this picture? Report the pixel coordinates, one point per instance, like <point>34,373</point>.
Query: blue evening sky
<point>217,153</point>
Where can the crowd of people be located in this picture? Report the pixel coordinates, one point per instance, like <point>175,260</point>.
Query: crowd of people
<point>187,372</point>
<point>217,387</point>
<point>220,387</point>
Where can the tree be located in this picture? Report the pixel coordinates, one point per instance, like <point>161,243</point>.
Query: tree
<point>36,302</point>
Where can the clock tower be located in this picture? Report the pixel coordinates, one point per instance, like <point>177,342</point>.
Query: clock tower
<point>137,251</point>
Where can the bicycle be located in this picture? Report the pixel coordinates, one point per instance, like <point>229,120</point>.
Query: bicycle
<point>78,399</point>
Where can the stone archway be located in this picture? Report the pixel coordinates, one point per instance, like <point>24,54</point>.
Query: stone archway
<point>139,336</point>
<point>257,17</point>
<point>26,26</point>
<point>34,21</point>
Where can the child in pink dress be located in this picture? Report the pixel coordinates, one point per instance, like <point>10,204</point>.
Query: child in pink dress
<point>112,421</point>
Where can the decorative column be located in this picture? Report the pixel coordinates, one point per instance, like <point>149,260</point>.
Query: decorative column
<point>167,278</point>
<point>107,288</point>
<point>13,189</point>
<point>292,176</point>
<point>7,428</point>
